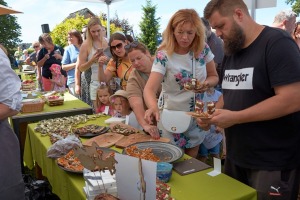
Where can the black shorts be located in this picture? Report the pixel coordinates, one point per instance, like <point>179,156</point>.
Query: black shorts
<point>270,185</point>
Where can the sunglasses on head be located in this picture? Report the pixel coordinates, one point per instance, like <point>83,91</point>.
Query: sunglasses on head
<point>120,45</point>
<point>131,45</point>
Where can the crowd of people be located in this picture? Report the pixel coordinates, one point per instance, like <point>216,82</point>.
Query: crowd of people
<point>251,72</point>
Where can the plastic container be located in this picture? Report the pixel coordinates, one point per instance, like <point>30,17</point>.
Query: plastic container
<point>164,171</point>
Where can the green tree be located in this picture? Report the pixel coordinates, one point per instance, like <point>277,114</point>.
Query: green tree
<point>149,27</point>
<point>123,24</point>
<point>295,5</point>
<point>60,32</point>
<point>10,31</point>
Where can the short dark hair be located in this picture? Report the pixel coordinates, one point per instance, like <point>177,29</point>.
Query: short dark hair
<point>205,22</point>
<point>76,33</point>
<point>224,7</point>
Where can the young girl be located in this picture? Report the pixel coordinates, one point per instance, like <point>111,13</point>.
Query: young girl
<point>103,94</point>
<point>120,103</point>
<point>58,81</point>
<point>122,108</point>
<point>212,141</point>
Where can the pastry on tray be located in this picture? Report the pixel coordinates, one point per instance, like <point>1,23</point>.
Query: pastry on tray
<point>193,84</point>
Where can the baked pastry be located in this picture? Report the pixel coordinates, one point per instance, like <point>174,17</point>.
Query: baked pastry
<point>193,84</point>
<point>211,107</point>
<point>199,106</point>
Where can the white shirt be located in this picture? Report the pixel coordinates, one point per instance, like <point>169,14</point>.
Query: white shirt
<point>10,94</point>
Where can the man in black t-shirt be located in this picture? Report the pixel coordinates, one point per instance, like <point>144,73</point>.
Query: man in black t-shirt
<point>261,91</point>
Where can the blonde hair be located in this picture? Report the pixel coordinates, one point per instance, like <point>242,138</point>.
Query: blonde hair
<point>169,43</point>
<point>89,39</point>
<point>103,86</point>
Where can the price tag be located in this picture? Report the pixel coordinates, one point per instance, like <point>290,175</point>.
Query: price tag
<point>106,110</point>
<point>127,120</point>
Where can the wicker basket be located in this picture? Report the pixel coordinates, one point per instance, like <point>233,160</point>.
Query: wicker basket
<point>28,86</point>
<point>55,102</point>
<point>34,106</point>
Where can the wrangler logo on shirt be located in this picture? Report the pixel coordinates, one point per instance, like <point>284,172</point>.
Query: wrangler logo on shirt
<point>238,79</point>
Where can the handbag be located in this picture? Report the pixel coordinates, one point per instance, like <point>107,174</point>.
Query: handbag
<point>175,121</point>
<point>172,120</point>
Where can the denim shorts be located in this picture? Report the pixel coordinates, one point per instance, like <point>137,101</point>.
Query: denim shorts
<point>203,151</point>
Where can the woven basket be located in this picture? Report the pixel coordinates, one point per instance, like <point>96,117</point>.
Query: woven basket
<point>29,107</point>
<point>28,86</point>
<point>55,102</point>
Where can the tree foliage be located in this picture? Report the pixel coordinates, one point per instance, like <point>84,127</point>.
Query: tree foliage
<point>10,31</point>
<point>295,5</point>
<point>122,24</point>
<point>149,27</point>
<point>60,32</point>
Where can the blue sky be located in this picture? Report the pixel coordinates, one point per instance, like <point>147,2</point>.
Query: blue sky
<point>53,12</point>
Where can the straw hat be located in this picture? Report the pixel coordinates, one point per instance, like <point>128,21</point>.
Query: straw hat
<point>118,93</point>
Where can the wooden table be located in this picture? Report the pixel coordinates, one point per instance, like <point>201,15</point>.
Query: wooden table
<point>68,186</point>
<point>72,106</point>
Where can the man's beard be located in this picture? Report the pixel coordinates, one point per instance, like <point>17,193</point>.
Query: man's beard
<point>235,41</point>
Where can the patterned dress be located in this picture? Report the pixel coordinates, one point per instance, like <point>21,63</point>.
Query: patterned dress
<point>177,70</point>
<point>85,87</point>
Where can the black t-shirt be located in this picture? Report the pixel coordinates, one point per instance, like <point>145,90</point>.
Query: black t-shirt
<point>250,75</point>
<point>46,73</point>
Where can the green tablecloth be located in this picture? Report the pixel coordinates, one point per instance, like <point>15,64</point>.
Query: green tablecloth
<point>189,187</point>
<point>70,103</point>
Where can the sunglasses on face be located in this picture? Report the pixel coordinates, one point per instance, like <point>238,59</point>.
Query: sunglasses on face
<point>131,45</point>
<point>36,46</point>
<point>120,45</point>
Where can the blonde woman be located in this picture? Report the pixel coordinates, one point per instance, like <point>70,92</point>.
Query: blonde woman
<point>183,43</point>
<point>89,54</point>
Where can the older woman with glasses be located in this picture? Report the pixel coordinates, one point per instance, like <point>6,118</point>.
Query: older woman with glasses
<point>141,61</point>
<point>90,51</point>
<point>119,65</point>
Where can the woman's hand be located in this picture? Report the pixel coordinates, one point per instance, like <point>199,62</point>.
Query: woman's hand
<point>204,88</point>
<point>77,89</point>
<point>96,56</point>
<point>102,60</point>
<point>152,130</point>
<point>203,124</point>
<point>152,115</point>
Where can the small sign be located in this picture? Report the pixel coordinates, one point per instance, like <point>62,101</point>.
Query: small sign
<point>217,168</point>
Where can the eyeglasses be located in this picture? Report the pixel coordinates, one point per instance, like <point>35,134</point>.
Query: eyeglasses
<point>36,46</point>
<point>131,45</point>
<point>120,45</point>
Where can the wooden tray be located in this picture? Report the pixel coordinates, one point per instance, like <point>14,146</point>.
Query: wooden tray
<point>104,140</point>
<point>137,137</point>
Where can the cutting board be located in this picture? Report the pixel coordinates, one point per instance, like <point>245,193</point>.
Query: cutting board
<point>137,137</point>
<point>104,140</point>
